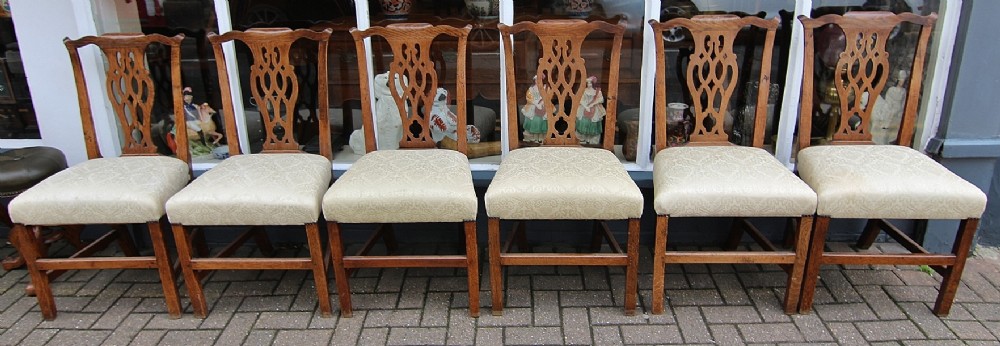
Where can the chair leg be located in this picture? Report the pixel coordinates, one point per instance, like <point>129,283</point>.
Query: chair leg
<point>735,235</point>
<point>596,237</point>
<point>953,275</point>
<point>813,261</point>
<point>496,277</point>
<point>263,243</point>
<point>869,235</point>
<point>195,292</point>
<point>632,268</point>
<point>319,269</point>
<point>125,241</point>
<point>472,268</point>
<point>27,244</point>
<point>659,252</point>
<point>389,238</point>
<point>165,268</point>
<point>337,256</point>
<point>793,289</point>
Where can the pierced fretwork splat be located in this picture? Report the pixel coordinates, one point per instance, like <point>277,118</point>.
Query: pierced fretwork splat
<point>131,92</point>
<point>562,76</point>
<point>862,72</point>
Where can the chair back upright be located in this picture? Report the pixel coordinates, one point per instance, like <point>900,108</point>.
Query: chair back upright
<point>561,62</point>
<point>274,85</point>
<point>862,69</point>
<point>712,75</point>
<point>416,73</point>
<point>131,91</point>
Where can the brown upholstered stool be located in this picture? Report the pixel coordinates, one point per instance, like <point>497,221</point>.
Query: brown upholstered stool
<point>21,169</point>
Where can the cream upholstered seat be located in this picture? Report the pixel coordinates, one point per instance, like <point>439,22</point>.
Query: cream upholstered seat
<point>417,183</point>
<point>433,185</point>
<point>114,191</point>
<point>886,181</point>
<point>118,190</point>
<point>561,179</point>
<point>255,189</point>
<point>853,177</point>
<point>711,177</point>
<point>563,183</point>
<point>727,181</point>
<point>281,185</point>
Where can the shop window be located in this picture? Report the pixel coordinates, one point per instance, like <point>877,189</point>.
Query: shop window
<point>17,115</point>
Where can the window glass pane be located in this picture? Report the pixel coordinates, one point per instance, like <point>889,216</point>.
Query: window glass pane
<point>17,116</point>
<point>482,58</point>
<point>901,45</point>
<point>596,54</point>
<point>739,117</point>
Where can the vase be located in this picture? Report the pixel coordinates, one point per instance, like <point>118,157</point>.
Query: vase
<point>483,9</point>
<point>396,9</point>
<point>579,8</point>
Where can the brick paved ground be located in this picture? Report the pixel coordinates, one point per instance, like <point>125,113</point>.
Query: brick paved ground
<point>718,304</point>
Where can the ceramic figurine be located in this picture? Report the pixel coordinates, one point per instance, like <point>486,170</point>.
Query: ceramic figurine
<point>444,122</point>
<point>888,112</point>
<point>536,122</point>
<point>590,114</point>
<point>387,117</point>
<point>205,113</point>
<point>201,130</point>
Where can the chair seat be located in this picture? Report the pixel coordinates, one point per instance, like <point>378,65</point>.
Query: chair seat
<point>255,189</point>
<point>563,183</point>
<point>727,181</point>
<point>23,168</point>
<point>389,186</point>
<point>886,181</point>
<point>129,189</point>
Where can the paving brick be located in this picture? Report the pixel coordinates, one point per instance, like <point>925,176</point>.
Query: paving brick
<point>71,320</point>
<point>932,326</point>
<point>585,298</point>
<point>461,327</point>
<point>970,330</point>
<point>845,312</point>
<point>99,282</point>
<point>812,328</point>
<point>348,329</point>
<point>41,337</point>
<point>607,335</point>
<point>391,280</point>
<point>417,336</point>
<point>846,333</point>
<point>994,327</point>
<point>726,334</point>
<point>303,337</point>
<point>872,277</point>
<point>984,311</point>
<point>518,291</point>
<point>148,337</point>
<point>374,336</point>
<point>238,328</point>
<point>163,321</point>
<point>770,332</point>
<point>557,282</point>
<point>694,297</point>
<point>839,287</point>
<point>489,336</point>
<point>283,320</point>
<point>701,281</point>
<point>306,299</point>
<point>651,334</point>
<point>546,308</point>
<point>730,288</point>
<point>770,306</point>
<point>933,343</point>
<point>511,317</point>
<point>533,336</point>
<point>79,337</point>
<point>692,324</point>
<point>117,313</point>
<point>259,337</point>
<point>292,281</point>
<point>190,337</point>
<point>576,326</point>
<point>916,278</point>
<point>731,314</point>
<point>393,318</point>
<point>220,312</point>
<point>889,330</point>
<point>128,329</point>
<point>14,313</point>
<point>613,315</point>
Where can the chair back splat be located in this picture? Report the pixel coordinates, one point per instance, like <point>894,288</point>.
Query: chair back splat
<point>414,70</point>
<point>274,85</point>
<point>712,75</point>
<point>564,77</point>
<point>130,89</point>
<point>863,70</point>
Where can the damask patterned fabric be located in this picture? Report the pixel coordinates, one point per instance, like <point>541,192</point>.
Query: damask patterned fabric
<point>103,191</point>
<point>386,186</point>
<point>727,181</point>
<point>255,189</point>
<point>562,183</point>
<point>886,181</point>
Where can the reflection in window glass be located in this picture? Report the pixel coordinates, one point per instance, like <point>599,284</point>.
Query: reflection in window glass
<point>596,54</point>
<point>739,118</point>
<point>17,115</point>
<point>901,46</point>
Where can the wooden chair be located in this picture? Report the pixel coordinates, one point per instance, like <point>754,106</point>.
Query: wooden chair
<point>561,180</point>
<point>115,191</point>
<point>879,182</point>
<point>279,186</point>
<point>416,184</point>
<point>709,176</point>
